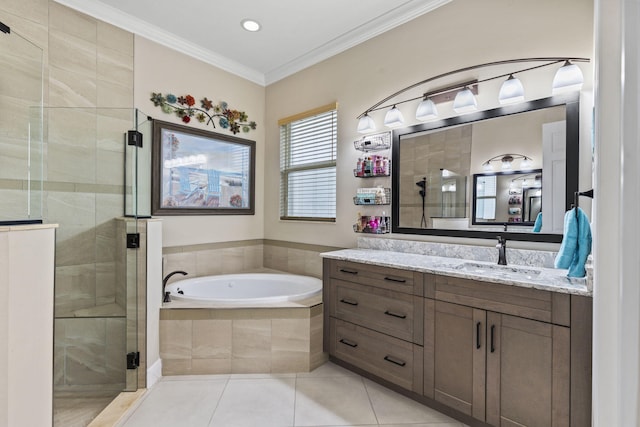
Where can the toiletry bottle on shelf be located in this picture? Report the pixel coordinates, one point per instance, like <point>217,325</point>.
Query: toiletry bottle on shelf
<point>385,166</point>
<point>359,167</point>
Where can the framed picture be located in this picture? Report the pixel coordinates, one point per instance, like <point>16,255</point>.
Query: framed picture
<point>198,172</point>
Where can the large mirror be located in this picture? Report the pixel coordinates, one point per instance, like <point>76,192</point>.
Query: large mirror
<point>513,168</point>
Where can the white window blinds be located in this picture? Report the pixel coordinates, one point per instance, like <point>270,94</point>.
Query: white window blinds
<point>308,143</point>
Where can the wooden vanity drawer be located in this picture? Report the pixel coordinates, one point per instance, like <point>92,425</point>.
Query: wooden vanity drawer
<point>389,358</point>
<point>395,279</point>
<point>545,306</point>
<point>390,312</point>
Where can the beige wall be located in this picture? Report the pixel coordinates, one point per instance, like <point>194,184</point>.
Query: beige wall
<point>160,69</point>
<point>461,33</point>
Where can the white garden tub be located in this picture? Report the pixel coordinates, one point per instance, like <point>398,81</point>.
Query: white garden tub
<point>242,289</point>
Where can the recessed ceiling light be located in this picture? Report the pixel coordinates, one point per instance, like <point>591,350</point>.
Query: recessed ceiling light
<point>250,25</point>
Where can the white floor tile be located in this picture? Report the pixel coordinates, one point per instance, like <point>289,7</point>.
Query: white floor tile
<point>178,403</point>
<point>256,402</point>
<point>328,396</point>
<point>332,401</point>
<point>393,408</point>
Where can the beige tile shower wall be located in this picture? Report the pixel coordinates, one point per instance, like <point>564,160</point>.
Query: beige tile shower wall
<point>21,62</point>
<point>89,351</point>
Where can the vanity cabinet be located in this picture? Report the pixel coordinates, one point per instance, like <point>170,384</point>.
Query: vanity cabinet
<point>501,353</point>
<point>501,369</point>
<point>374,317</point>
<point>487,353</point>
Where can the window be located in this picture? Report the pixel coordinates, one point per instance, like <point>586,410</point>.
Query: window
<point>486,191</point>
<point>308,144</point>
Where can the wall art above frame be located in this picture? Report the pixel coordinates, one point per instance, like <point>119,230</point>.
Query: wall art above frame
<point>198,172</point>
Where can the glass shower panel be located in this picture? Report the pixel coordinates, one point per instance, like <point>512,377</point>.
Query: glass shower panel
<point>138,169</point>
<point>96,274</point>
<point>21,87</point>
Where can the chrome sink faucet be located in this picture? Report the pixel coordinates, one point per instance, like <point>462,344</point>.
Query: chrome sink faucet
<point>502,250</point>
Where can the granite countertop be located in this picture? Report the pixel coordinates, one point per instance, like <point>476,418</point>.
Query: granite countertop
<point>546,279</point>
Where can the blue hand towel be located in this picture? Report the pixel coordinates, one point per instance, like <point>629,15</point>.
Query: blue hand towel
<point>576,243</point>
<point>537,226</point>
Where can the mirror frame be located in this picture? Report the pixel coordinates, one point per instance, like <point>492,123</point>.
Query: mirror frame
<point>572,103</point>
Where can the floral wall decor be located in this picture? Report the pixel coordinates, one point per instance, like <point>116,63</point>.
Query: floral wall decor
<point>185,108</point>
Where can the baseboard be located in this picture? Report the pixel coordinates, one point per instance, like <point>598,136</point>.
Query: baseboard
<point>154,373</point>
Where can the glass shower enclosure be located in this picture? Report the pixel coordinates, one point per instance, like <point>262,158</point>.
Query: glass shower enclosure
<point>83,169</point>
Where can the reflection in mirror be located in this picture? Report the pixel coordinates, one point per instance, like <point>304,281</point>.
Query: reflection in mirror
<point>517,142</point>
<point>507,198</point>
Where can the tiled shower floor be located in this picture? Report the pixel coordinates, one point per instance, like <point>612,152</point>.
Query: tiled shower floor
<point>328,396</point>
<point>77,409</point>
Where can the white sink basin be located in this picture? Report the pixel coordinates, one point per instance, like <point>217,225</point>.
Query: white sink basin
<point>495,269</point>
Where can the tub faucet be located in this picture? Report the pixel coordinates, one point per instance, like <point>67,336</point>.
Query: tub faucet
<point>502,250</point>
<point>165,295</point>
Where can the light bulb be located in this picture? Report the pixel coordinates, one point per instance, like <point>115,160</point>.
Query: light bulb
<point>511,91</point>
<point>393,118</point>
<point>465,101</point>
<point>568,77</point>
<point>426,110</point>
<point>366,124</point>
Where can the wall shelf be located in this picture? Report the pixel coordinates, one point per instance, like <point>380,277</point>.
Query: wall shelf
<point>373,225</point>
<point>372,196</point>
<point>370,143</point>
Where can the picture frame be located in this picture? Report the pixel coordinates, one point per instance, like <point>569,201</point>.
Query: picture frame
<point>199,172</point>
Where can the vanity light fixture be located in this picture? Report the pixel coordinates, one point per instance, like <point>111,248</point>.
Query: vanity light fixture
<point>366,124</point>
<point>568,77</point>
<point>511,91</point>
<point>465,101</point>
<point>506,161</point>
<point>393,118</point>
<point>426,110</point>
<point>250,25</point>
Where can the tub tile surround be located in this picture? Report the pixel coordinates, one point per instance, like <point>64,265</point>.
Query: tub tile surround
<point>246,340</point>
<point>244,256</point>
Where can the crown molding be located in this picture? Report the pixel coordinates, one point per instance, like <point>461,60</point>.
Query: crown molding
<point>373,28</point>
<point>370,29</point>
<point>139,27</point>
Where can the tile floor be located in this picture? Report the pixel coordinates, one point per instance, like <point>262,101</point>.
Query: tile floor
<point>328,396</point>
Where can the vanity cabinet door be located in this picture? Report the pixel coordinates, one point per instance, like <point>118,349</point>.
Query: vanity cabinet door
<point>459,353</point>
<point>528,372</point>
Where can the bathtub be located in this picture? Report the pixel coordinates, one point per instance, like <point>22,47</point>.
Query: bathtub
<point>242,324</point>
<point>241,289</point>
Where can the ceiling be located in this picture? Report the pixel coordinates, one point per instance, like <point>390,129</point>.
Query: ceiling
<point>295,34</point>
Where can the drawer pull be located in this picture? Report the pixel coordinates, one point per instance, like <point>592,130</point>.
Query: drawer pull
<point>349,343</point>
<point>478,335</point>
<point>394,361</point>
<point>344,270</point>
<point>348,302</point>
<point>392,314</point>
<point>493,348</point>
<point>391,279</point>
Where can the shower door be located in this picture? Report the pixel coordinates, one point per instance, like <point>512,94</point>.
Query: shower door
<point>91,191</point>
